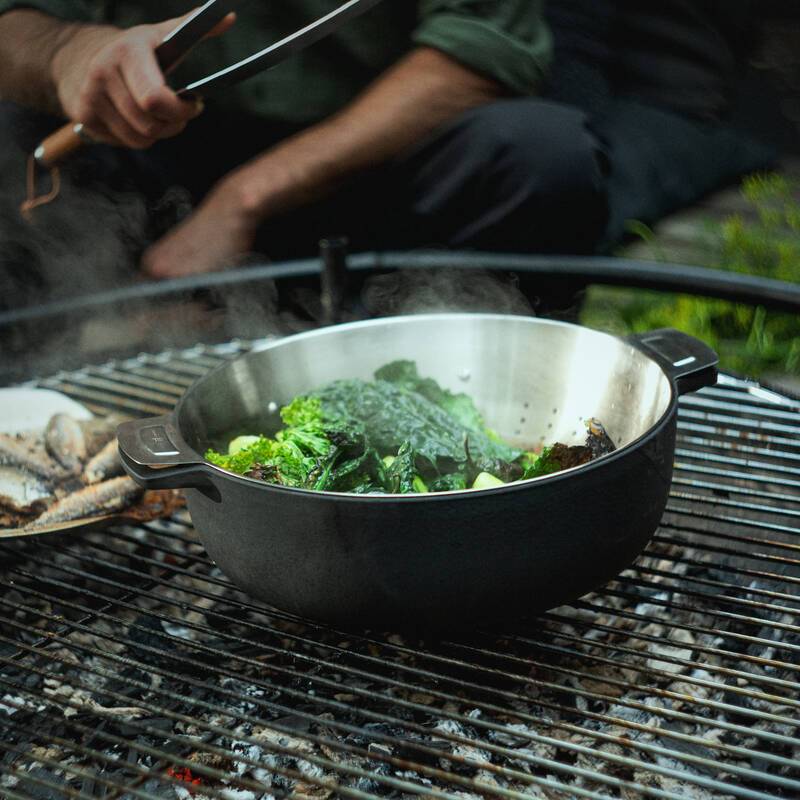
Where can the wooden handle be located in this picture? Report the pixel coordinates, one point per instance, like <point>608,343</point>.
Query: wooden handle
<point>56,147</point>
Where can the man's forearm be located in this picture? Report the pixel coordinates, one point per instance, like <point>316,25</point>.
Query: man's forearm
<point>420,93</point>
<point>28,42</point>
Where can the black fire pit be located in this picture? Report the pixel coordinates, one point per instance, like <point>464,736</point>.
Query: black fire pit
<point>131,668</point>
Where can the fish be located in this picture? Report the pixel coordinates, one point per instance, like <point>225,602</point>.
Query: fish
<point>65,441</point>
<point>105,464</point>
<point>22,492</point>
<point>30,456</point>
<point>99,498</point>
<point>99,431</point>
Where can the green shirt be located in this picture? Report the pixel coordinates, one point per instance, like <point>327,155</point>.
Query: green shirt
<point>502,39</point>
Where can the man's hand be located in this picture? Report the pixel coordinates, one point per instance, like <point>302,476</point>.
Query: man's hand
<point>104,77</point>
<point>218,234</point>
<point>422,91</point>
<point>109,80</point>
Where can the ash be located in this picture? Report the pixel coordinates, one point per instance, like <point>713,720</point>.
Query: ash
<point>131,668</point>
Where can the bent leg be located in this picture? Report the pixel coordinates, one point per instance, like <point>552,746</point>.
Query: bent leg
<point>661,161</point>
<point>523,175</point>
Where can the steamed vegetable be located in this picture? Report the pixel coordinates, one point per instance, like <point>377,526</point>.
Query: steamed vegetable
<point>398,434</point>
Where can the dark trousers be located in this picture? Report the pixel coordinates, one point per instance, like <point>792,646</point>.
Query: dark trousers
<point>522,175</point>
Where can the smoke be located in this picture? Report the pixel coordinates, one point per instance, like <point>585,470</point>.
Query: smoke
<point>415,292</point>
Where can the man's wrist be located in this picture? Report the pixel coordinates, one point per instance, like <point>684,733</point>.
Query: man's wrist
<point>263,188</point>
<point>74,40</point>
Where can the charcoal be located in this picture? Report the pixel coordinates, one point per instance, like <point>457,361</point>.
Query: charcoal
<point>155,788</point>
<point>36,791</point>
<point>367,785</point>
<point>159,723</point>
<point>738,700</point>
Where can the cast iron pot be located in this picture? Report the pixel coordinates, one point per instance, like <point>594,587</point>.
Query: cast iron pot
<point>454,558</point>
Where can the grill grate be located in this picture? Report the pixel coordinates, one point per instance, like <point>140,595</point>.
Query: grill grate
<point>132,669</point>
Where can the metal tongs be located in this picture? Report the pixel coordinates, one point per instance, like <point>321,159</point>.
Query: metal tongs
<point>175,46</point>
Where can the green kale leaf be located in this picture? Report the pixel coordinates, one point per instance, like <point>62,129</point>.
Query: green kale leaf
<point>391,415</point>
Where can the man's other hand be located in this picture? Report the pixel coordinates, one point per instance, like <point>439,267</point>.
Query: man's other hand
<point>218,234</point>
<point>110,80</point>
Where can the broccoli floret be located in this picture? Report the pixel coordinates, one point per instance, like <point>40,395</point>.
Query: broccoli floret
<point>303,411</point>
<point>243,459</point>
<point>296,456</point>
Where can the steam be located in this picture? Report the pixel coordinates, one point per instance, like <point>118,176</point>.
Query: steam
<point>416,292</point>
<point>86,240</point>
<point>90,238</point>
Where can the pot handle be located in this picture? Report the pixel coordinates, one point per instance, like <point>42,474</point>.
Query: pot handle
<point>689,363</point>
<point>155,455</point>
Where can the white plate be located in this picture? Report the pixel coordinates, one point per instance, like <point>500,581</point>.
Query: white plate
<point>24,409</point>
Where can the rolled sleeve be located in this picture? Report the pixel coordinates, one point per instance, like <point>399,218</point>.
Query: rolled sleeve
<point>506,40</point>
<point>62,9</point>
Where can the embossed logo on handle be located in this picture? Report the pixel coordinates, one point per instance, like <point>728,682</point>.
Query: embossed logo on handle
<point>156,441</point>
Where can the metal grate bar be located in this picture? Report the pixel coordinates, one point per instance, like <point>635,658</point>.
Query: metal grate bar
<point>103,757</point>
<point>105,399</point>
<point>556,668</point>
<point>725,551</point>
<point>244,606</point>
<point>741,618</point>
<point>139,381</point>
<point>222,731</point>
<point>748,425</point>
<point>736,791</point>
<point>728,389</point>
<point>674,660</point>
<point>340,667</point>
<point>725,503</point>
<point>689,679</point>
<point>699,441</point>
<point>734,437</point>
<point>601,708</point>
<point>752,410</point>
<point>638,582</point>
<point>745,476</point>
<point>743,463</point>
<point>732,489</point>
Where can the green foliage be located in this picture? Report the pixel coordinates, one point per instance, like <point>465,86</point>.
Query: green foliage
<point>461,406</point>
<point>291,458</point>
<point>294,457</point>
<point>535,466</point>
<point>391,416</point>
<point>303,411</point>
<point>401,472</point>
<point>383,436</point>
<point>749,339</point>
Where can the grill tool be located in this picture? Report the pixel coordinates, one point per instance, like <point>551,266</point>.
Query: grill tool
<point>176,45</point>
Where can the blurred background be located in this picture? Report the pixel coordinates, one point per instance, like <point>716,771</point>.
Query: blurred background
<point>752,227</point>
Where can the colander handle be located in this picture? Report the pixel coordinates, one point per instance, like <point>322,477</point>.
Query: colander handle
<point>155,455</point>
<point>688,362</point>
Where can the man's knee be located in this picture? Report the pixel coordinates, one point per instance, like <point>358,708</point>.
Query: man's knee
<point>542,145</point>
<point>534,172</point>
